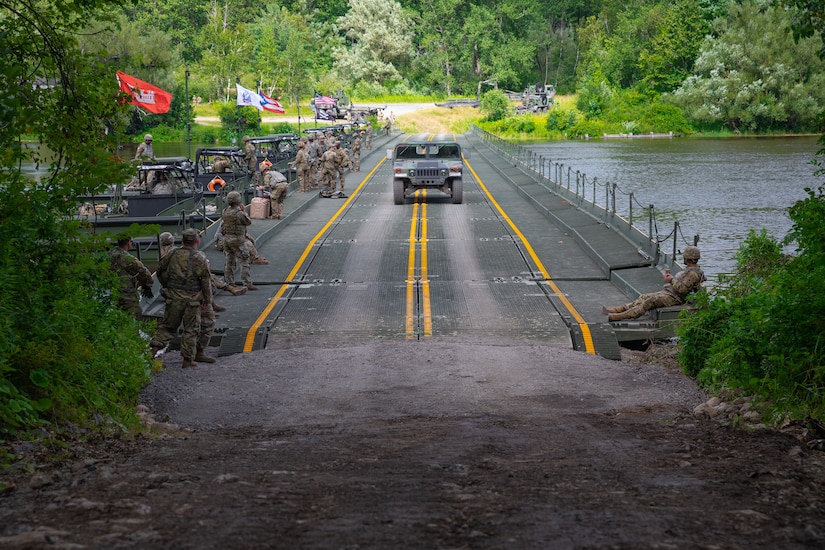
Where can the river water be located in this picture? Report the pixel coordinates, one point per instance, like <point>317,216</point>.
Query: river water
<point>718,189</point>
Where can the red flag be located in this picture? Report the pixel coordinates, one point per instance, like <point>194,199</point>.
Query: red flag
<point>270,104</point>
<point>151,98</point>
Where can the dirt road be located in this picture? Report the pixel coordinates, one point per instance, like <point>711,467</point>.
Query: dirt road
<point>434,444</point>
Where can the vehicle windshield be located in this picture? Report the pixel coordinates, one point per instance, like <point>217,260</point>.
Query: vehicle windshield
<point>431,150</point>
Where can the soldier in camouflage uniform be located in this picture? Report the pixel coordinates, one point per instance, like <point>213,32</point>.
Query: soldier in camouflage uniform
<point>221,164</point>
<point>342,162</point>
<point>276,184</point>
<point>314,161</point>
<point>234,221</point>
<point>356,152</point>
<point>301,165</point>
<point>133,275</point>
<point>674,293</point>
<point>145,149</point>
<point>329,169</point>
<point>251,160</point>
<point>368,137</point>
<point>184,273</point>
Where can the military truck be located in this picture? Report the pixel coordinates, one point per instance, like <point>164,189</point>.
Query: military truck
<point>429,164</point>
<point>536,99</point>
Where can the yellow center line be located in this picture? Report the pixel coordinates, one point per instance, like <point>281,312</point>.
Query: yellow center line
<point>250,335</point>
<point>410,318</point>
<point>425,279</point>
<point>588,338</point>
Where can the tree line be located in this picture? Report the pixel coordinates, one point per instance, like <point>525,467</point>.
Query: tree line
<point>734,64</point>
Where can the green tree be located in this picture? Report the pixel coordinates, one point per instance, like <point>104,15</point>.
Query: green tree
<point>379,38</point>
<point>495,105</point>
<point>66,352</point>
<point>226,52</point>
<point>752,76</point>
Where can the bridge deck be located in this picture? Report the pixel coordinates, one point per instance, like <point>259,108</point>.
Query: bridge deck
<point>512,260</point>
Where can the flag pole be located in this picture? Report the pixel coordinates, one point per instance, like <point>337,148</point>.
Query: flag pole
<point>188,117</point>
<point>238,107</point>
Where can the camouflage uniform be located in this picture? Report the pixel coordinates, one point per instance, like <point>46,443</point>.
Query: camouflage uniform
<point>184,273</point>
<point>368,137</point>
<point>145,149</point>
<point>356,153</point>
<point>329,167</point>
<point>221,164</point>
<point>133,275</point>
<point>342,163</point>
<point>251,160</point>
<point>314,159</point>
<point>686,281</point>
<point>277,185</point>
<point>301,165</point>
<point>235,246</point>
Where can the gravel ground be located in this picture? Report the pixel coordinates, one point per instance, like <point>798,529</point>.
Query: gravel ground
<point>443,443</point>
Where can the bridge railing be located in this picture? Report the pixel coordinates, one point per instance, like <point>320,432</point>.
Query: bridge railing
<point>604,201</point>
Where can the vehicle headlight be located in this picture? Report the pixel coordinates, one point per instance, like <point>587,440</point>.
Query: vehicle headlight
<point>411,172</point>
<point>443,172</point>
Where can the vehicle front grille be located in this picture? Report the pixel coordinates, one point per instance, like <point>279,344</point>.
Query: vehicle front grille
<point>426,172</point>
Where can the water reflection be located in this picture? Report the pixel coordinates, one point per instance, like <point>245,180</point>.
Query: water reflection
<point>716,188</point>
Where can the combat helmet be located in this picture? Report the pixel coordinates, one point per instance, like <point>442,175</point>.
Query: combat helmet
<point>233,197</point>
<point>147,137</point>
<point>190,235</point>
<point>246,138</point>
<point>692,253</point>
<point>166,239</point>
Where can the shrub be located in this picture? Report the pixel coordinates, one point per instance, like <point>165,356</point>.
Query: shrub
<point>495,105</point>
<point>765,332</point>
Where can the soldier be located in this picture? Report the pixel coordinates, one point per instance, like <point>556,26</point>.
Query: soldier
<point>301,165</point>
<point>276,184</point>
<point>368,137</point>
<point>356,152</point>
<point>342,163</point>
<point>184,272</point>
<point>167,244</point>
<point>145,149</point>
<point>251,160</point>
<point>674,293</point>
<point>314,159</point>
<point>221,164</point>
<point>133,275</point>
<point>234,221</point>
<point>329,168</point>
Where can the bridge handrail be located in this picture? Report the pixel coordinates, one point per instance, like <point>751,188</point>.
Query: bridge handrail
<point>576,188</point>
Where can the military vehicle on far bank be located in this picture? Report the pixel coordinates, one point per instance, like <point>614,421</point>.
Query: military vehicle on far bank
<point>535,99</point>
<point>435,165</point>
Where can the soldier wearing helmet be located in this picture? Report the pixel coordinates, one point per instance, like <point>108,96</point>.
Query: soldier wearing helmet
<point>675,291</point>
<point>145,149</point>
<point>167,243</point>
<point>251,159</point>
<point>301,165</point>
<point>234,221</point>
<point>275,183</point>
<point>185,276</point>
<point>356,152</point>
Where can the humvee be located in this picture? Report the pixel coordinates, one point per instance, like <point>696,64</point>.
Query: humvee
<point>430,164</point>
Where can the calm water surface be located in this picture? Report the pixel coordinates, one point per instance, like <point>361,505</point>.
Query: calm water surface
<point>718,189</point>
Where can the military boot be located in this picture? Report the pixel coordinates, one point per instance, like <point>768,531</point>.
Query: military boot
<point>628,314</point>
<point>187,362</point>
<point>617,309</point>
<point>218,307</point>
<point>201,357</point>
<point>250,286</point>
<point>236,290</point>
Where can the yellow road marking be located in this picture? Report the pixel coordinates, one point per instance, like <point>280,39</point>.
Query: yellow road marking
<point>410,318</point>
<point>418,234</point>
<point>250,335</point>
<point>588,338</point>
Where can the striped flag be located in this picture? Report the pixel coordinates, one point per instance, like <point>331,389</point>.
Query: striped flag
<point>269,104</point>
<point>248,98</point>
<point>323,101</point>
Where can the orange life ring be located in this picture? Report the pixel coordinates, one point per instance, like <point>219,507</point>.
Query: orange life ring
<point>216,184</point>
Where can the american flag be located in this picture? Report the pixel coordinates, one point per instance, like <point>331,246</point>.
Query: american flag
<point>323,101</point>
